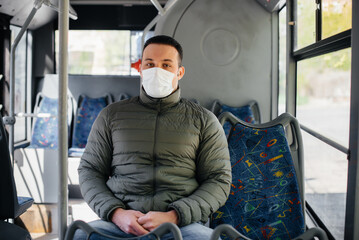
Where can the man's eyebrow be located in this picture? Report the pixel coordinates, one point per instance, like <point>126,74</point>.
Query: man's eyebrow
<point>148,59</point>
<point>167,60</point>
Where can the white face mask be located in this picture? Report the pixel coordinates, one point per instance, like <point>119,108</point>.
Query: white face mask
<point>157,82</point>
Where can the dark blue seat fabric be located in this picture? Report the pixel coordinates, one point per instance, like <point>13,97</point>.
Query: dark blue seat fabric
<point>87,112</point>
<point>265,201</point>
<point>45,130</point>
<point>248,113</point>
<point>244,113</point>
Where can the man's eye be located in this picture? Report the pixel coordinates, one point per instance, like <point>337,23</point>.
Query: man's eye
<point>166,65</point>
<point>149,64</point>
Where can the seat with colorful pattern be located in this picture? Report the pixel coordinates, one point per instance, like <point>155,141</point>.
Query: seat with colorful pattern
<point>45,128</point>
<point>267,198</point>
<point>249,113</point>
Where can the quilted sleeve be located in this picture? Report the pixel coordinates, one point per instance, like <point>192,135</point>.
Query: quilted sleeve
<point>213,174</point>
<point>95,169</point>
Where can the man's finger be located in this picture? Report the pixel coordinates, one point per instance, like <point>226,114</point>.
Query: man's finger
<point>142,220</point>
<point>139,230</point>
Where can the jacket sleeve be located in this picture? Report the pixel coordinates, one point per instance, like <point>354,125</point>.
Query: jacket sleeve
<point>213,174</point>
<point>95,169</point>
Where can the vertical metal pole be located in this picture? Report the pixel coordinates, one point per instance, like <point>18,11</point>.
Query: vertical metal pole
<point>62,130</point>
<point>291,65</point>
<point>10,120</point>
<point>352,206</point>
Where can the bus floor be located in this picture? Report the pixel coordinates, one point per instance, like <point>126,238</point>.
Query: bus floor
<point>42,219</point>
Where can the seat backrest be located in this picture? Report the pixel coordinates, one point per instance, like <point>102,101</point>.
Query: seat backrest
<point>267,197</point>
<point>8,195</point>
<point>249,113</point>
<point>87,111</point>
<point>45,129</point>
<point>44,133</point>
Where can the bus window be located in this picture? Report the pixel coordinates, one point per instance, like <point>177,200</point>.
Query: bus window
<point>337,16</point>
<point>323,94</point>
<point>305,23</point>
<point>102,52</point>
<point>323,105</point>
<point>21,86</point>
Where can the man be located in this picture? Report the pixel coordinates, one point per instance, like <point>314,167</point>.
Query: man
<point>156,158</point>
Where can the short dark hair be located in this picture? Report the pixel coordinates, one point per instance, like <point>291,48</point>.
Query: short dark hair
<point>166,40</point>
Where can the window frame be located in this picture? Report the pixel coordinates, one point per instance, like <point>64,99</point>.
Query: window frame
<point>331,44</point>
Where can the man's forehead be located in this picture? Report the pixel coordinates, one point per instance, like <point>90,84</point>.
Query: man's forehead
<point>158,49</point>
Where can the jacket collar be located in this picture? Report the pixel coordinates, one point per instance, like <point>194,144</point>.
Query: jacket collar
<point>160,104</point>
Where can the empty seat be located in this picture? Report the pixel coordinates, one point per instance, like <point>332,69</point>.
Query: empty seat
<point>45,128</point>
<point>267,198</point>
<point>36,166</point>
<point>249,113</point>
<point>87,111</point>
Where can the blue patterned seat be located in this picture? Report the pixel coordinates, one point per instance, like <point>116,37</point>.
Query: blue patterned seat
<point>266,199</point>
<point>45,129</point>
<point>44,134</point>
<point>248,113</point>
<point>86,114</point>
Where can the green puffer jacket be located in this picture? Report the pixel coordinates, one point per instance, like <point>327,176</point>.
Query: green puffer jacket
<point>151,154</point>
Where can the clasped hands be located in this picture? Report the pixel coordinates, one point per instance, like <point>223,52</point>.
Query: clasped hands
<point>138,223</point>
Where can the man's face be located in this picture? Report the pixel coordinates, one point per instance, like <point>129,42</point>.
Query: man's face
<point>165,57</point>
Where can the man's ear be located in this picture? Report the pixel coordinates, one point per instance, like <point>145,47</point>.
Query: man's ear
<point>181,72</point>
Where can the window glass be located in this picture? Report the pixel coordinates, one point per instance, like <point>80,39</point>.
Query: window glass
<point>305,23</point>
<point>323,94</point>
<point>282,61</point>
<point>20,83</point>
<point>326,183</point>
<point>337,16</point>
<point>102,52</point>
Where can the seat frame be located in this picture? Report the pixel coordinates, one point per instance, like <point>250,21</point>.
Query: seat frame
<point>159,231</point>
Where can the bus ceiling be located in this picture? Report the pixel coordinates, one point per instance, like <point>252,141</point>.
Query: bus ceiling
<point>19,11</point>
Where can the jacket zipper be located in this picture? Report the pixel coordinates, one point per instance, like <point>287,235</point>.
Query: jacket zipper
<point>154,161</point>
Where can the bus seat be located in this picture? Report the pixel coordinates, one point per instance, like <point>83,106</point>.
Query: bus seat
<point>87,111</point>
<point>249,113</point>
<point>11,205</point>
<point>45,129</point>
<point>267,196</point>
<point>229,231</point>
<point>155,234</point>
<point>12,231</point>
<point>35,167</point>
<point>123,96</point>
